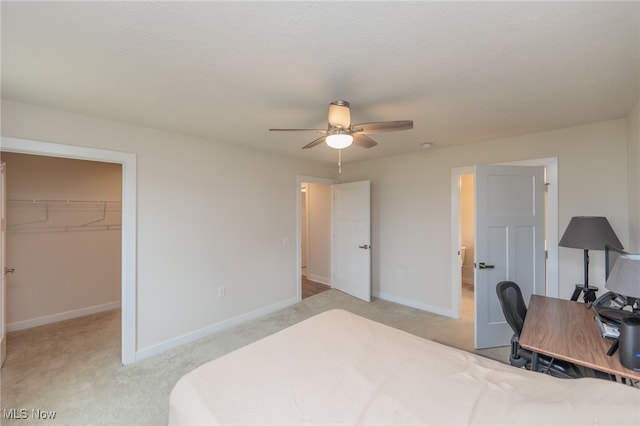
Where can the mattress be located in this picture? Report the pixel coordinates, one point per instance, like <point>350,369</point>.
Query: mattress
<point>340,368</point>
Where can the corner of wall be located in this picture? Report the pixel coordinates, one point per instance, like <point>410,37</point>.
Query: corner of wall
<point>633,164</point>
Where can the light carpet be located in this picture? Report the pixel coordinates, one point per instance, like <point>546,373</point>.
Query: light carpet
<point>73,367</point>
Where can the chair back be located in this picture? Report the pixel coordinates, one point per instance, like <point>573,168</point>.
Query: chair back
<point>513,306</point>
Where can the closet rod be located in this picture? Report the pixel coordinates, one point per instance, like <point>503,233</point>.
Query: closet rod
<point>57,229</point>
<point>62,201</point>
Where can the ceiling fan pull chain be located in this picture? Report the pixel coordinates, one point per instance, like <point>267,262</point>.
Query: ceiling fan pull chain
<point>339,161</point>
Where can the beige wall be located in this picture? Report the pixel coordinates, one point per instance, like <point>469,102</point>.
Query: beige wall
<point>467,225</point>
<point>62,270</point>
<point>319,259</point>
<point>412,226</point>
<point>195,233</point>
<point>193,228</point>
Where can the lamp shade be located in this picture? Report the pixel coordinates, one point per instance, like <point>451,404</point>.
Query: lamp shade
<point>625,276</point>
<point>339,114</point>
<point>589,233</point>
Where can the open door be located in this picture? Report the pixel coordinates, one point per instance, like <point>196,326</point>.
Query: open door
<point>351,242</point>
<point>509,245</point>
<point>3,271</point>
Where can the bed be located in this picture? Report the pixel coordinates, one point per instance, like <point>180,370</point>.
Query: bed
<point>340,368</point>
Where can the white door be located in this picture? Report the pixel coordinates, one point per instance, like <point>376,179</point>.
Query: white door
<point>351,242</point>
<point>3,230</point>
<point>509,243</point>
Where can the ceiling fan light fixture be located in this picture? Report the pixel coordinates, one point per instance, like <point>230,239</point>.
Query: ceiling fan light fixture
<point>339,133</point>
<point>339,140</point>
<point>339,114</point>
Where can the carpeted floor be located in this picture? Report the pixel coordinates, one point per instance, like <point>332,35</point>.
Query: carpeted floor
<point>73,367</point>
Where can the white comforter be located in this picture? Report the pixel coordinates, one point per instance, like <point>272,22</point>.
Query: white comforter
<point>339,368</point>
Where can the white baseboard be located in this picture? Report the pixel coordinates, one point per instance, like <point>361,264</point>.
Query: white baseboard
<point>413,304</point>
<point>50,319</point>
<point>203,332</point>
<point>319,279</point>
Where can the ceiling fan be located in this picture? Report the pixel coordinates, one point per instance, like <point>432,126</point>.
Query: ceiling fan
<point>340,133</point>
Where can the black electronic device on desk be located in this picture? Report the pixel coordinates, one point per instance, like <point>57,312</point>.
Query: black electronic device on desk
<point>630,343</point>
<point>609,321</point>
<point>620,307</point>
<point>609,331</point>
<point>615,316</point>
<point>624,328</point>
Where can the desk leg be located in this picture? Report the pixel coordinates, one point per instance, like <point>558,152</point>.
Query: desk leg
<point>534,361</point>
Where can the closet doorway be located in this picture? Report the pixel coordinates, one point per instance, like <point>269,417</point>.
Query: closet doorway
<point>64,238</point>
<point>128,234</point>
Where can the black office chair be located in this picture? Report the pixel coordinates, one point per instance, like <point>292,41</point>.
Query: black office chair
<point>515,311</point>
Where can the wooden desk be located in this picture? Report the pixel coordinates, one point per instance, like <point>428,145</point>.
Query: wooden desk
<point>567,330</point>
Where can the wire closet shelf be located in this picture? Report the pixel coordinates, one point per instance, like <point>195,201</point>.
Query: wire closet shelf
<point>62,215</point>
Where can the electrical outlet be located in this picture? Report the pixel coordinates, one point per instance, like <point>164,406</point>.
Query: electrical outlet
<point>221,292</point>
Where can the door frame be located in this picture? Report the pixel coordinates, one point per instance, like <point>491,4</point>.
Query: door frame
<point>129,233</point>
<point>299,180</point>
<point>551,226</point>
<point>3,266</point>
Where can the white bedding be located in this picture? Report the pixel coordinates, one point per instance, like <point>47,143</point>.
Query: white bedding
<point>339,368</point>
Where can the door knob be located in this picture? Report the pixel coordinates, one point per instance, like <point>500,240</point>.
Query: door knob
<point>365,246</point>
<point>9,270</point>
<point>482,265</point>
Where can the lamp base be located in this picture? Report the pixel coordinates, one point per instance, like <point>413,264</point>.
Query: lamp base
<point>589,293</point>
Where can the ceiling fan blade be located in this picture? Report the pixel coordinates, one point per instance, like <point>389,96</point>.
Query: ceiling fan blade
<point>383,126</point>
<point>314,143</point>
<point>363,141</point>
<point>339,114</point>
<point>299,130</point>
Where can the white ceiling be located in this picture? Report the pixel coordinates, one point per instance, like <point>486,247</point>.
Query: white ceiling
<point>229,71</point>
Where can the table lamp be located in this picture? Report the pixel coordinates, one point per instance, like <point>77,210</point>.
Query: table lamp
<point>588,233</point>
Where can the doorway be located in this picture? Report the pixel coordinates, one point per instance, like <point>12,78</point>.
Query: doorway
<point>315,235</point>
<point>466,250</point>
<point>129,208</point>
<point>63,238</point>
<point>313,215</point>
<point>458,177</point>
